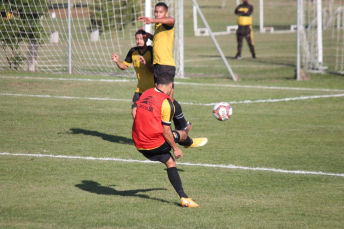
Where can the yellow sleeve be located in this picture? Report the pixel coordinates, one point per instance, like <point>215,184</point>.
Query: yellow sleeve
<point>167,112</point>
<point>126,63</point>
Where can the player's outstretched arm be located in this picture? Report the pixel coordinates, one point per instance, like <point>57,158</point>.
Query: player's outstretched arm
<point>146,20</point>
<point>120,64</point>
<point>166,20</point>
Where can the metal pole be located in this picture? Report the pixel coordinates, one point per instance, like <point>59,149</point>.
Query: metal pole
<point>215,41</point>
<point>298,43</point>
<point>261,16</point>
<point>194,13</point>
<point>181,38</point>
<point>223,3</point>
<point>319,31</point>
<point>148,13</point>
<point>69,39</point>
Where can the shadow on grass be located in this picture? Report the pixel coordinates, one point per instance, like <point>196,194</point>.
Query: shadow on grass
<point>258,60</point>
<point>210,7</point>
<point>95,187</point>
<point>106,137</point>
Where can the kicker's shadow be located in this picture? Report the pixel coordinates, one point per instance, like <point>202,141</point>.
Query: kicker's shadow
<point>95,187</point>
<point>106,137</point>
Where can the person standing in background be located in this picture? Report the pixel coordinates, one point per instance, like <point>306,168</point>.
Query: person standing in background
<point>244,12</point>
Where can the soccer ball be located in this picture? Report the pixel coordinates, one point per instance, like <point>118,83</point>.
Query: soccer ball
<point>222,111</point>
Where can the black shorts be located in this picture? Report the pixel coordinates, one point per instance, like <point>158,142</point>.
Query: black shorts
<point>243,31</point>
<point>158,69</point>
<point>136,98</point>
<point>163,152</point>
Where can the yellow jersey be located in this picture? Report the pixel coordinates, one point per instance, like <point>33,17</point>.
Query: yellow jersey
<point>145,77</point>
<point>163,45</point>
<point>244,12</point>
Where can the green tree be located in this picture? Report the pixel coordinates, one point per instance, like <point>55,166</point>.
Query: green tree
<point>106,15</point>
<point>20,22</point>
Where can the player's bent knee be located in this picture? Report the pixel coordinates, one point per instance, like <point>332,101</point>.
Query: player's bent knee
<point>183,135</point>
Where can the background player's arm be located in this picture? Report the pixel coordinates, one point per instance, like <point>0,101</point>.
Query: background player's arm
<point>243,11</point>
<point>237,10</point>
<point>166,21</point>
<point>148,65</point>
<point>149,35</point>
<point>120,64</point>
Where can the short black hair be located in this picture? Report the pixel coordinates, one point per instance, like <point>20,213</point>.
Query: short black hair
<point>163,5</point>
<point>165,78</point>
<point>141,32</point>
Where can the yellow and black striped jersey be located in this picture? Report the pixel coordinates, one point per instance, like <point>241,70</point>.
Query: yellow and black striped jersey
<point>145,77</point>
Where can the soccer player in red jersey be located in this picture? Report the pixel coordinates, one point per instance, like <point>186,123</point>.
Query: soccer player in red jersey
<point>153,136</point>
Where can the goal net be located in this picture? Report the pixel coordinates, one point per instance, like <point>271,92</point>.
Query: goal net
<point>275,37</point>
<point>322,36</point>
<point>34,34</point>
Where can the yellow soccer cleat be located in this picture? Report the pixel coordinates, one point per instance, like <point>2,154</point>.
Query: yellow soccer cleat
<point>198,142</point>
<point>188,203</point>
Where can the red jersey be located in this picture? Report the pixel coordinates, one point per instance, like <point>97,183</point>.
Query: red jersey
<point>148,129</point>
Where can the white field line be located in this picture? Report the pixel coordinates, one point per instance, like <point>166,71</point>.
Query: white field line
<point>184,103</point>
<point>176,82</point>
<point>65,97</point>
<point>68,79</point>
<point>185,163</point>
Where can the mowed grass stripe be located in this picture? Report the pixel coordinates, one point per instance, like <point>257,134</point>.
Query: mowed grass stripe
<point>182,163</point>
<point>184,103</point>
<point>177,82</point>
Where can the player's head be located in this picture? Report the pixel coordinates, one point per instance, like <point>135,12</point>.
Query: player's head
<point>165,82</point>
<point>141,38</point>
<point>161,10</point>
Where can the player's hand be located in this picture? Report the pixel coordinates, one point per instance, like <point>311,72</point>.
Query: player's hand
<point>177,153</point>
<point>115,57</point>
<point>142,60</point>
<point>145,20</point>
<point>149,35</point>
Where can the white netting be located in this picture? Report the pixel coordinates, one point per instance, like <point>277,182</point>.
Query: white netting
<point>332,47</point>
<point>34,34</point>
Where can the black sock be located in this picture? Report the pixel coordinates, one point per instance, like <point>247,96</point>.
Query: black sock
<point>176,182</point>
<point>187,142</point>
<point>178,119</point>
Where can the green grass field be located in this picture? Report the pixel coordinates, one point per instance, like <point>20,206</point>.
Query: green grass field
<point>67,159</point>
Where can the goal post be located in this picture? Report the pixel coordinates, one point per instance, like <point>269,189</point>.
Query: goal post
<point>223,57</point>
<point>321,37</point>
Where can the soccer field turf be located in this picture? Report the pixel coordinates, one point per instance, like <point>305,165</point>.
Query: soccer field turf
<point>67,159</point>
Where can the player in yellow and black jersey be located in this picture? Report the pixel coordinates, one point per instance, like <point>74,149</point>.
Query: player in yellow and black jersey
<point>163,61</point>
<point>244,12</point>
<point>142,58</point>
